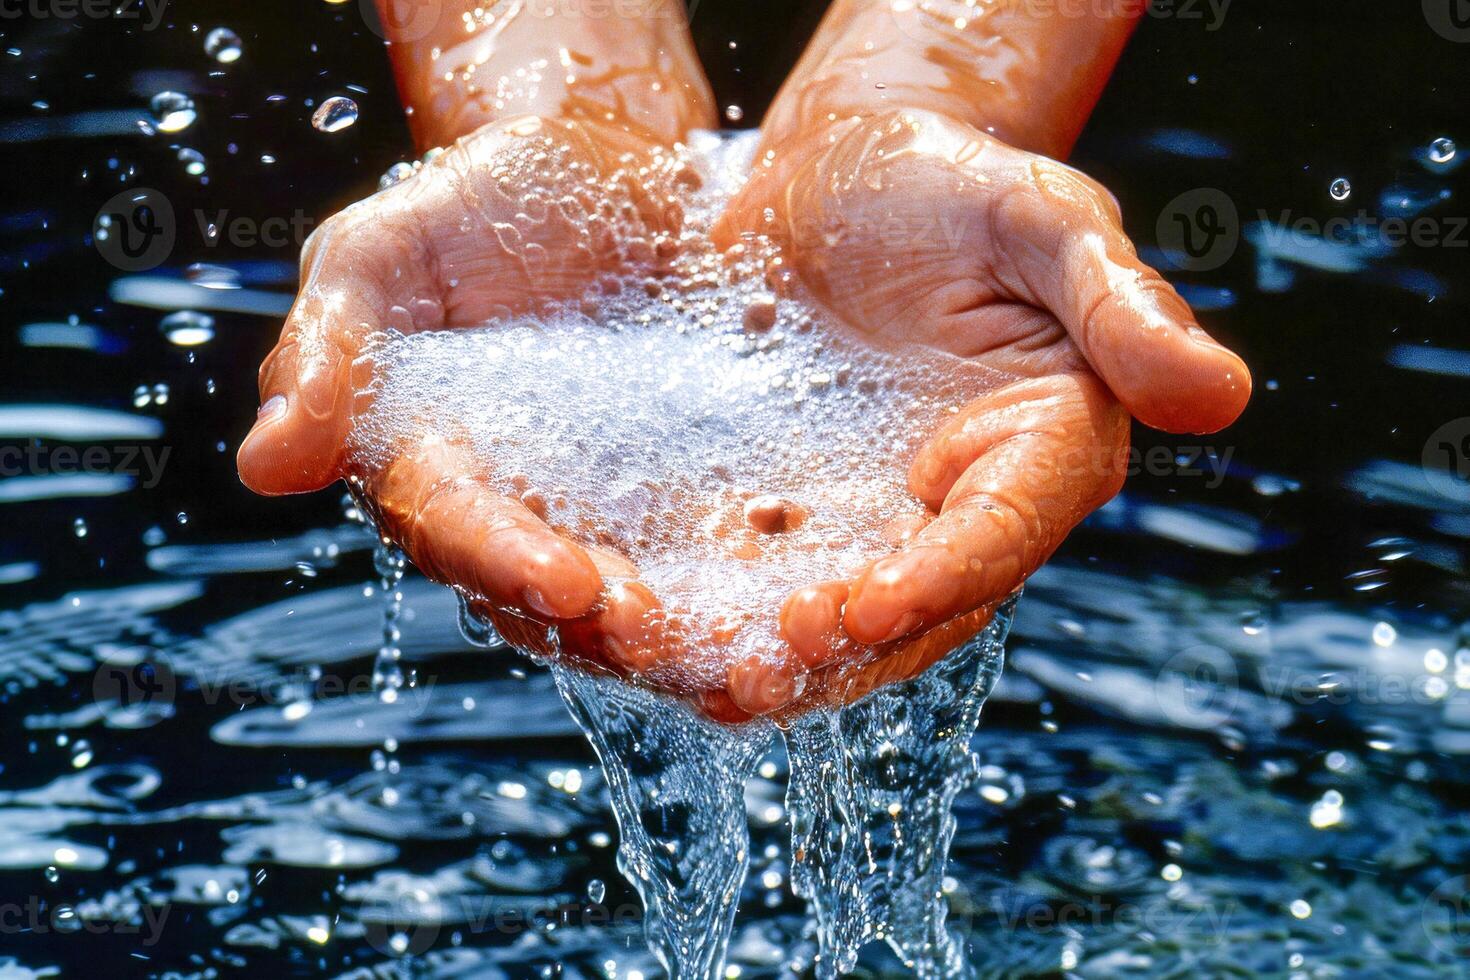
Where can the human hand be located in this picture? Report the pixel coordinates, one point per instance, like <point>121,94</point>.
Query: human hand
<point>917,228</point>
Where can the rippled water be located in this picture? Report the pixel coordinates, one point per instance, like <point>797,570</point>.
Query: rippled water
<point>1232,732</point>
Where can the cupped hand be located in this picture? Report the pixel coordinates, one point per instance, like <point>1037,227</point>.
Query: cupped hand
<point>519,214</point>
<point>916,228</point>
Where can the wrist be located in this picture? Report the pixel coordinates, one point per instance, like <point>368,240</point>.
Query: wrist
<point>628,63</point>
<point>1029,75</point>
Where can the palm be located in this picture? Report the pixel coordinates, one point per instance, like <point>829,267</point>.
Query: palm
<point>480,232</point>
<point>916,228</point>
<point>1029,275</point>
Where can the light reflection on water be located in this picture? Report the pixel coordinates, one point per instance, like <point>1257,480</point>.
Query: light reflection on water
<point>1169,773</point>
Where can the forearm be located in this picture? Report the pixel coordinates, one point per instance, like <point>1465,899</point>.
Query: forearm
<point>1026,71</point>
<point>628,63</point>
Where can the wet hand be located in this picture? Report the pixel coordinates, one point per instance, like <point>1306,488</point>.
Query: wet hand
<point>914,227</point>
<point>509,219</point>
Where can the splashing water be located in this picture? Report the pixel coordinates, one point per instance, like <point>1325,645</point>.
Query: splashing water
<point>656,424</point>
<point>870,801</point>
<point>871,797</point>
<point>677,783</point>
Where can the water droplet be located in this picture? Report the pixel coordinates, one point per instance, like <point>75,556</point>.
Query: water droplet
<point>396,174</point>
<point>193,161</point>
<point>335,114</point>
<point>52,875</point>
<point>1442,150</point>
<point>734,113</point>
<point>65,919</point>
<point>1384,634</point>
<point>187,328</point>
<point>596,891</point>
<point>172,112</point>
<point>79,527</point>
<point>1341,189</point>
<point>81,754</point>
<point>223,45</point>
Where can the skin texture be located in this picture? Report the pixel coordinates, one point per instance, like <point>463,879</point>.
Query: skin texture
<point>916,210</point>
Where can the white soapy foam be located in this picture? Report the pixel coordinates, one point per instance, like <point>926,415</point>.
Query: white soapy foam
<point>645,426</point>
<point>645,421</point>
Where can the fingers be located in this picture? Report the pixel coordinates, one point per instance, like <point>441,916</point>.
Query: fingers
<point>1063,236</point>
<point>1023,483</point>
<point>307,381</point>
<point>460,531</point>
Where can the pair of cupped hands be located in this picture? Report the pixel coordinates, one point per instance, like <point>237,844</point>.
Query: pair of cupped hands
<point>933,231</point>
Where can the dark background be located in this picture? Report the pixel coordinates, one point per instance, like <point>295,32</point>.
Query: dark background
<point>1291,93</point>
<point>1298,92</point>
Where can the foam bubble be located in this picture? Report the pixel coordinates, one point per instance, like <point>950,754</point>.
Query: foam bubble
<point>733,446</point>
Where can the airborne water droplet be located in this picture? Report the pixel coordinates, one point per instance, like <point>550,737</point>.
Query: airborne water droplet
<point>734,113</point>
<point>172,112</point>
<point>596,891</point>
<point>1341,189</point>
<point>187,328</point>
<point>335,114</point>
<point>1442,150</point>
<point>193,161</point>
<point>223,45</point>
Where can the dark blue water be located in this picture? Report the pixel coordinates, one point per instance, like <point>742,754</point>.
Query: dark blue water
<point>1232,734</point>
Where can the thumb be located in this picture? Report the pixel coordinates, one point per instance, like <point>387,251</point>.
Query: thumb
<point>308,381</point>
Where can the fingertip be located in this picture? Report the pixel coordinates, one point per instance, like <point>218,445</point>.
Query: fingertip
<point>811,622</point>
<point>282,454</point>
<point>880,605</point>
<point>1201,392</point>
<point>632,622</point>
<point>759,686</point>
<point>561,579</point>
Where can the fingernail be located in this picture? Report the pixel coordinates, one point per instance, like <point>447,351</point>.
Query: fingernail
<point>273,409</point>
